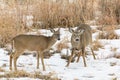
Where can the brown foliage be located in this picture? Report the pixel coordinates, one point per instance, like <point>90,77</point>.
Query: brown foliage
<point>108,35</point>
<point>22,73</point>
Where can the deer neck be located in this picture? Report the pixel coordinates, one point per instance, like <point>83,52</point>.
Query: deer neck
<point>51,41</point>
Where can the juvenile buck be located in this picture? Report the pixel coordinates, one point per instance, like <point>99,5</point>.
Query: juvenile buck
<point>37,43</point>
<point>81,37</point>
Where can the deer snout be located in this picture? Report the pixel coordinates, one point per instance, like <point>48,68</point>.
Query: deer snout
<point>77,39</point>
<point>58,38</point>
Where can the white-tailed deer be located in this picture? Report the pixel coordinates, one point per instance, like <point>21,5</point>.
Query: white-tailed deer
<point>81,37</point>
<point>37,43</point>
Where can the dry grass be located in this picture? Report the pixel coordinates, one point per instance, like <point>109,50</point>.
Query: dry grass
<point>17,74</point>
<point>107,27</point>
<point>116,55</point>
<point>63,44</point>
<point>54,14</point>
<point>108,35</point>
<point>9,26</point>
<point>110,12</point>
<point>6,35</point>
<point>2,70</point>
<point>22,73</point>
<point>113,63</point>
<point>46,54</point>
<point>97,45</point>
<point>108,32</point>
<point>48,14</point>
<point>66,57</point>
<point>115,78</point>
<point>114,49</point>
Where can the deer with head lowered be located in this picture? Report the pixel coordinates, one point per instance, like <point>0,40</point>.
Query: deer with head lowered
<point>81,37</point>
<point>37,43</point>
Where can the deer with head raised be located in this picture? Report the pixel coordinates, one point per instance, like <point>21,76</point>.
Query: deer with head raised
<point>37,43</point>
<point>81,37</point>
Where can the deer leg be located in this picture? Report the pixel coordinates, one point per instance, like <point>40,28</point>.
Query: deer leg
<point>75,55</point>
<point>79,56</point>
<point>83,55</point>
<point>15,57</point>
<point>70,58</point>
<point>93,53</point>
<point>15,61</point>
<point>38,56</point>
<point>41,55</point>
<point>11,56</point>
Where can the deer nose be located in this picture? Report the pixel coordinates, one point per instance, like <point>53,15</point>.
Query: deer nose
<point>77,39</point>
<point>58,38</point>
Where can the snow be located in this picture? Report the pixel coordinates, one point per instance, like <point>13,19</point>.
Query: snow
<point>99,69</point>
<point>28,19</point>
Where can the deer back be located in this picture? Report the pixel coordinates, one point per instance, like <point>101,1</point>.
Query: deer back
<point>86,36</point>
<point>35,42</point>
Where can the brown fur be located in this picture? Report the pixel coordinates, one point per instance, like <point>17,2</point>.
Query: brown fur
<point>37,43</point>
<point>81,37</point>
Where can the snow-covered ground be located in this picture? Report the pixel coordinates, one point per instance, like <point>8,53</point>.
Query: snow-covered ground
<point>105,67</point>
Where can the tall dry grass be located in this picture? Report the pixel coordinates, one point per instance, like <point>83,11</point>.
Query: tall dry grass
<point>22,73</point>
<point>47,14</point>
<point>11,23</point>
<point>51,14</point>
<point>8,28</point>
<point>110,12</point>
<point>63,14</point>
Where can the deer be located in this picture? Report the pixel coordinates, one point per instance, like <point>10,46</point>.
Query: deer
<point>81,37</point>
<point>38,43</point>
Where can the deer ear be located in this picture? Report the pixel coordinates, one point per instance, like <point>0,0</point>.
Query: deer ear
<point>58,29</point>
<point>81,31</point>
<point>52,30</point>
<point>71,30</point>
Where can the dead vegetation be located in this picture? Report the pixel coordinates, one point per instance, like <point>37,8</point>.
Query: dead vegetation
<point>64,44</point>
<point>18,17</point>
<point>66,57</point>
<point>110,12</point>
<point>22,73</point>
<point>97,45</point>
<point>108,35</point>
<point>2,70</point>
<point>46,54</point>
<point>116,55</point>
<point>8,29</point>
<point>108,32</point>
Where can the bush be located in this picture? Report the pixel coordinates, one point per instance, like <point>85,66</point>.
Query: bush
<point>110,12</point>
<point>108,35</point>
<point>9,27</point>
